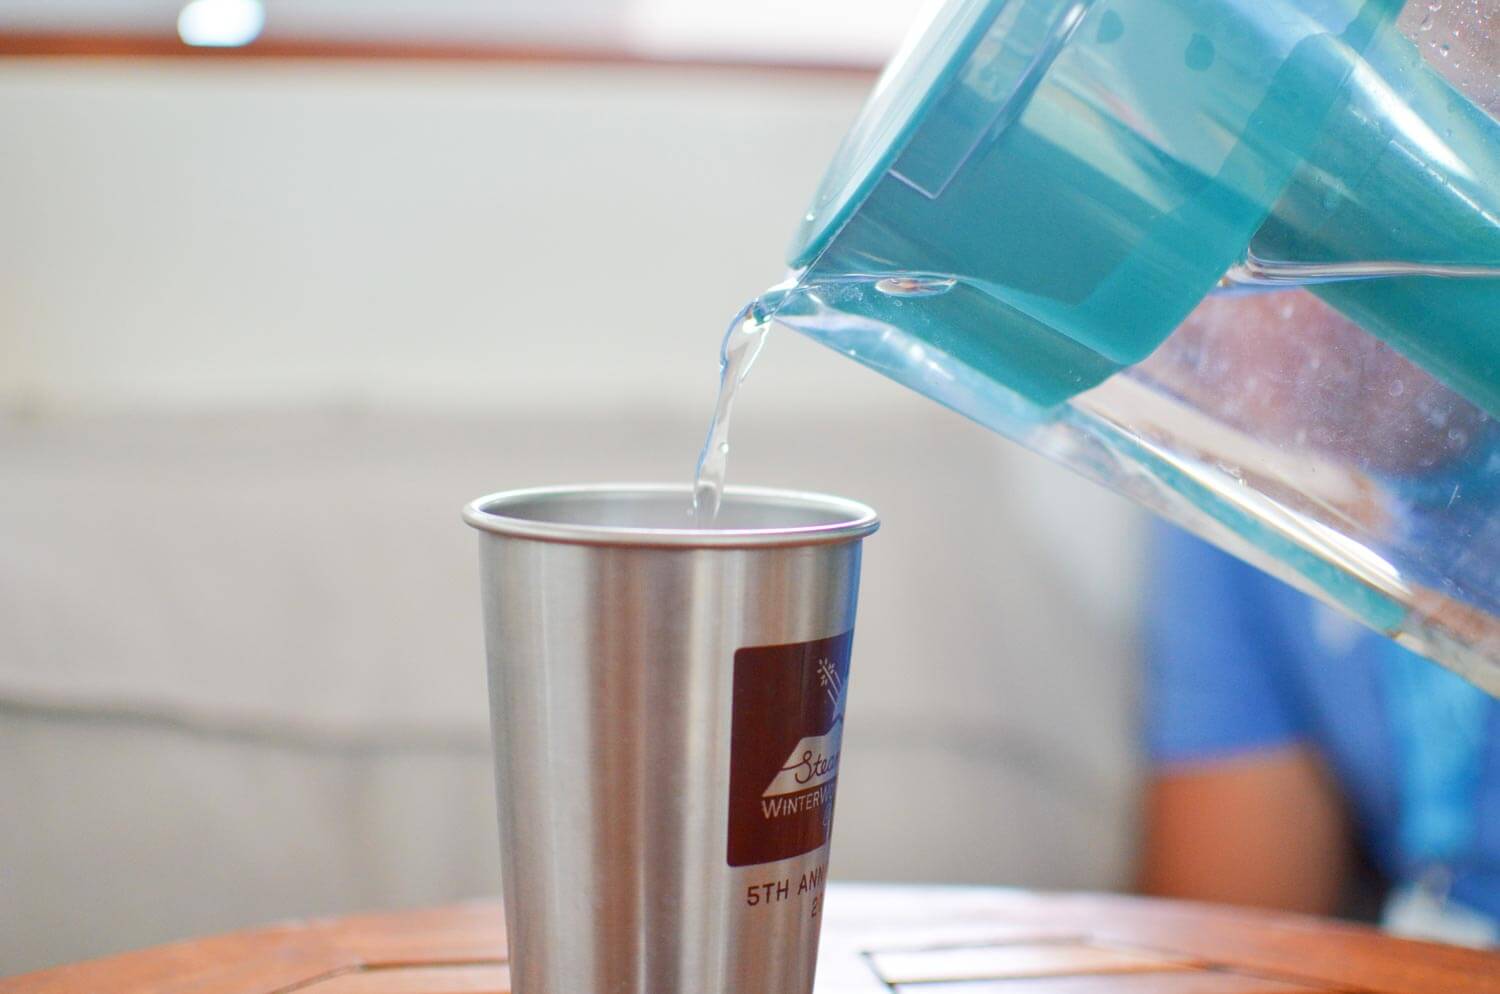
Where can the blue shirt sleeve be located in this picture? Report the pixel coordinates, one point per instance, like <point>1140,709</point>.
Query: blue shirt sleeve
<point>1215,675</point>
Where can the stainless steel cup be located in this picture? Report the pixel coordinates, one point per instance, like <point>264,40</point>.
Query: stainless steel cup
<point>667,705</point>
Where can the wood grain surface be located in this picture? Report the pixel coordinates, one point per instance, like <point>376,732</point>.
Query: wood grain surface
<point>165,45</point>
<point>908,940</point>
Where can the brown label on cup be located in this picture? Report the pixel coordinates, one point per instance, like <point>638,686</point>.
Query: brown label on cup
<point>784,747</point>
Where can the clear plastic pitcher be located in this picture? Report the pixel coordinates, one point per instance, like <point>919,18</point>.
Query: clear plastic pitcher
<point>1237,259</point>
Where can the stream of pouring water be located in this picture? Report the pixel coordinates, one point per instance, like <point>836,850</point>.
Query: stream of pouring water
<point>743,341</point>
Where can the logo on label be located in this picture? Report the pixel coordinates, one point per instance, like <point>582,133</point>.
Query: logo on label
<point>786,733</point>
<point>813,762</point>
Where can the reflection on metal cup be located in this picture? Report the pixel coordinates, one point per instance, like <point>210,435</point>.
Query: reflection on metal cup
<point>667,705</point>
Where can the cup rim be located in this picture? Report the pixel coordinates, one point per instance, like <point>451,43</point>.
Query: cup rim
<point>848,520</point>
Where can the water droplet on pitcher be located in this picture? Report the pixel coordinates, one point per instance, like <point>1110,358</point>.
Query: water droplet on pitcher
<point>1444,49</point>
<point>1426,24</point>
<point>1397,388</point>
<point>915,286</point>
<point>1199,54</point>
<point>1111,28</point>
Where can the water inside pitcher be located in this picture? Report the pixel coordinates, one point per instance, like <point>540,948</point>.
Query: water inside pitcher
<point>1239,261</point>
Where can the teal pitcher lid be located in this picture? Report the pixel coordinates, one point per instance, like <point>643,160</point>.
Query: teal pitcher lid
<point>932,55</point>
<point>1130,153</point>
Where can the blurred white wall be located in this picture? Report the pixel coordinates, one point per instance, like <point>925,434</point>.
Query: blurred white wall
<point>281,233</point>
<point>265,326</point>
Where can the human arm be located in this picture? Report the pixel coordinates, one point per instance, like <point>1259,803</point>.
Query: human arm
<point>1265,829</point>
<point>1239,807</point>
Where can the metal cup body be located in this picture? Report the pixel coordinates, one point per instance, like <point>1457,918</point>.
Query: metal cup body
<point>624,675</point>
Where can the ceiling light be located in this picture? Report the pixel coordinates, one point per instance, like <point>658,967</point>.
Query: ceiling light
<point>221,23</point>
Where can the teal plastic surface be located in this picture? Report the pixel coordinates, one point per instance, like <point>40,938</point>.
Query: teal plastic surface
<point>1418,186</point>
<point>921,71</point>
<point>1088,171</point>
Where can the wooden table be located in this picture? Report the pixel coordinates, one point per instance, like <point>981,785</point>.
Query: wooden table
<point>876,940</point>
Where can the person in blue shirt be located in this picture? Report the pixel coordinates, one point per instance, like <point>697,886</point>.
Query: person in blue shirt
<point>1284,738</point>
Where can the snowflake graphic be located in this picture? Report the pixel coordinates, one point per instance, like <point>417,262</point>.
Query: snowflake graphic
<point>828,679</point>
